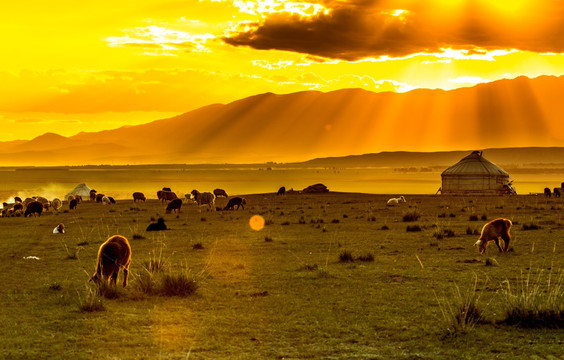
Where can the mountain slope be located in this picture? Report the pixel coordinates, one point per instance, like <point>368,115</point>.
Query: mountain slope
<point>305,125</point>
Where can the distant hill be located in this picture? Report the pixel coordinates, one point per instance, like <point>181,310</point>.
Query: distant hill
<point>521,112</point>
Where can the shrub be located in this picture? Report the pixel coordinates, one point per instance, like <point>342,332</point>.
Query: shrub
<point>449,233</point>
<point>411,216</point>
<point>536,300</point>
<point>368,257</point>
<point>461,312</point>
<point>55,286</point>
<point>138,237</point>
<point>438,233</point>
<point>473,218</point>
<point>302,220</point>
<point>156,261</point>
<point>178,284</point>
<point>198,246</point>
<point>443,215</point>
<point>469,231</point>
<point>384,227</point>
<point>346,256</point>
<point>144,283</point>
<point>413,228</point>
<point>531,226</point>
<point>285,223</point>
<point>105,289</point>
<point>268,239</point>
<point>484,217</point>
<point>91,303</point>
<point>335,221</point>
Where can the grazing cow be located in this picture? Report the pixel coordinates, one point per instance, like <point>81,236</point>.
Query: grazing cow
<point>547,192</point>
<point>59,229</point>
<point>112,200</point>
<point>168,196</point>
<point>99,197</point>
<point>395,201</point>
<point>281,191</point>
<point>138,196</point>
<point>72,204</point>
<point>220,193</point>
<point>34,207</point>
<point>557,192</point>
<point>206,198</point>
<point>113,255</point>
<point>93,195</point>
<point>166,189</point>
<point>160,195</point>
<point>493,231</point>
<point>175,205</point>
<point>158,226</point>
<point>236,201</point>
<point>17,199</point>
<point>78,199</point>
<point>56,203</point>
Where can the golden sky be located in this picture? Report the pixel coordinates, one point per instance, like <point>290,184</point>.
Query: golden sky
<point>87,66</point>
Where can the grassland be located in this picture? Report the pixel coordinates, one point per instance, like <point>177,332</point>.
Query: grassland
<point>281,292</point>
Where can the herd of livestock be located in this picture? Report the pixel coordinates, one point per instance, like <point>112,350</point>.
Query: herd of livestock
<point>37,204</point>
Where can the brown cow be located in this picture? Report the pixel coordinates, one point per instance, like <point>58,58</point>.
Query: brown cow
<point>493,231</point>
<point>175,205</point>
<point>113,255</point>
<point>138,196</point>
<point>34,207</point>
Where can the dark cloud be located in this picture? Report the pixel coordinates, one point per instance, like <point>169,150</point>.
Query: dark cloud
<point>361,29</point>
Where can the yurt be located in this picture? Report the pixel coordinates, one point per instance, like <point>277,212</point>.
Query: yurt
<point>475,175</point>
<point>80,189</point>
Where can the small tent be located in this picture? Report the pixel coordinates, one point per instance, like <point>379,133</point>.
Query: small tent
<point>80,189</point>
<point>475,175</point>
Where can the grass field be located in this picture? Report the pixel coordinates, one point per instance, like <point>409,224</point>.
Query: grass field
<point>286,291</point>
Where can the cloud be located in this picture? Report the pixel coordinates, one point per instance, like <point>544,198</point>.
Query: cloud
<point>360,29</point>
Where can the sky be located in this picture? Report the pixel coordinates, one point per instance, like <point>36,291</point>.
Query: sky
<point>89,66</point>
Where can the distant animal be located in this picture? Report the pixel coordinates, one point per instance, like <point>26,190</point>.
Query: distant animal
<point>99,197</point>
<point>46,203</point>
<point>547,192</point>
<point>166,189</point>
<point>175,205</point>
<point>17,199</point>
<point>72,204</point>
<point>34,207</point>
<point>493,231</point>
<point>235,201</point>
<point>28,200</point>
<point>59,229</point>
<point>113,255</point>
<point>78,199</point>
<point>18,207</point>
<point>205,198</point>
<point>220,193</point>
<point>93,195</point>
<point>105,200</point>
<point>160,195</point>
<point>138,196</point>
<point>70,198</point>
<point>57,204</point>
<point>112,200</point>
<point>557,192</point>
<point>159,225</point>
<point>281,191</point>
<point>168,196</point>
<point>395,201</point>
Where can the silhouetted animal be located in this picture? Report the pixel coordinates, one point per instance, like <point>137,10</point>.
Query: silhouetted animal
<point>281,191</point>
<point>46,203</point>
<point>175,205</point>
<point>557,192</point>
<point>160,195</point>
<point>105,200</point>
<point>18,207</point>
<point>34,207</point>
<point>17,199</point>
<point>57,204</point>
<point>205,198</point>
<point>547,192</point>
<point>59,229</point>
<point>395,201</point>
<point>72,204</point>
<point>70,198</point>
<point>159,225</point>
<point>78,199</point>
<point>166,189</point>
<point>138,196</point>
<point>168,196</point>
<point>99,197</point>
<point>236,201</point>
<point>493,231</point>
<point>113,255</point>
<point>93,195</point>
<point>220,193</point>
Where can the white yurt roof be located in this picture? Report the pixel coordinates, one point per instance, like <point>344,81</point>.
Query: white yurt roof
<point>475,164</point>
<point>80,189</point>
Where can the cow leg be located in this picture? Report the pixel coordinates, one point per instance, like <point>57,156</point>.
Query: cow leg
<point>497,243</point>
<point>125,274</point>
<point>506,240</point>
<point>113,279</point>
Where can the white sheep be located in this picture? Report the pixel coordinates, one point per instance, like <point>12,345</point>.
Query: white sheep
<point>206,198</point>
<point>395,201</point>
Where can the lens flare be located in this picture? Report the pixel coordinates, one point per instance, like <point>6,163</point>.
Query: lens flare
<point>256,223</point>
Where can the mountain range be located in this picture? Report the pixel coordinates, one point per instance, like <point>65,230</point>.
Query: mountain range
<point>512,113</point>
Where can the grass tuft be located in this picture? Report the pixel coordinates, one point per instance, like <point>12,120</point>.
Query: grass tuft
<point>413,228</point>
<point>346,256</point>
<point>368,257</point>
<point>536,300</point>
<point>91,303</point>
<point>198,246</point>
<point>411,216</point>
<point>178,284</point>
<point>531,226</point>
